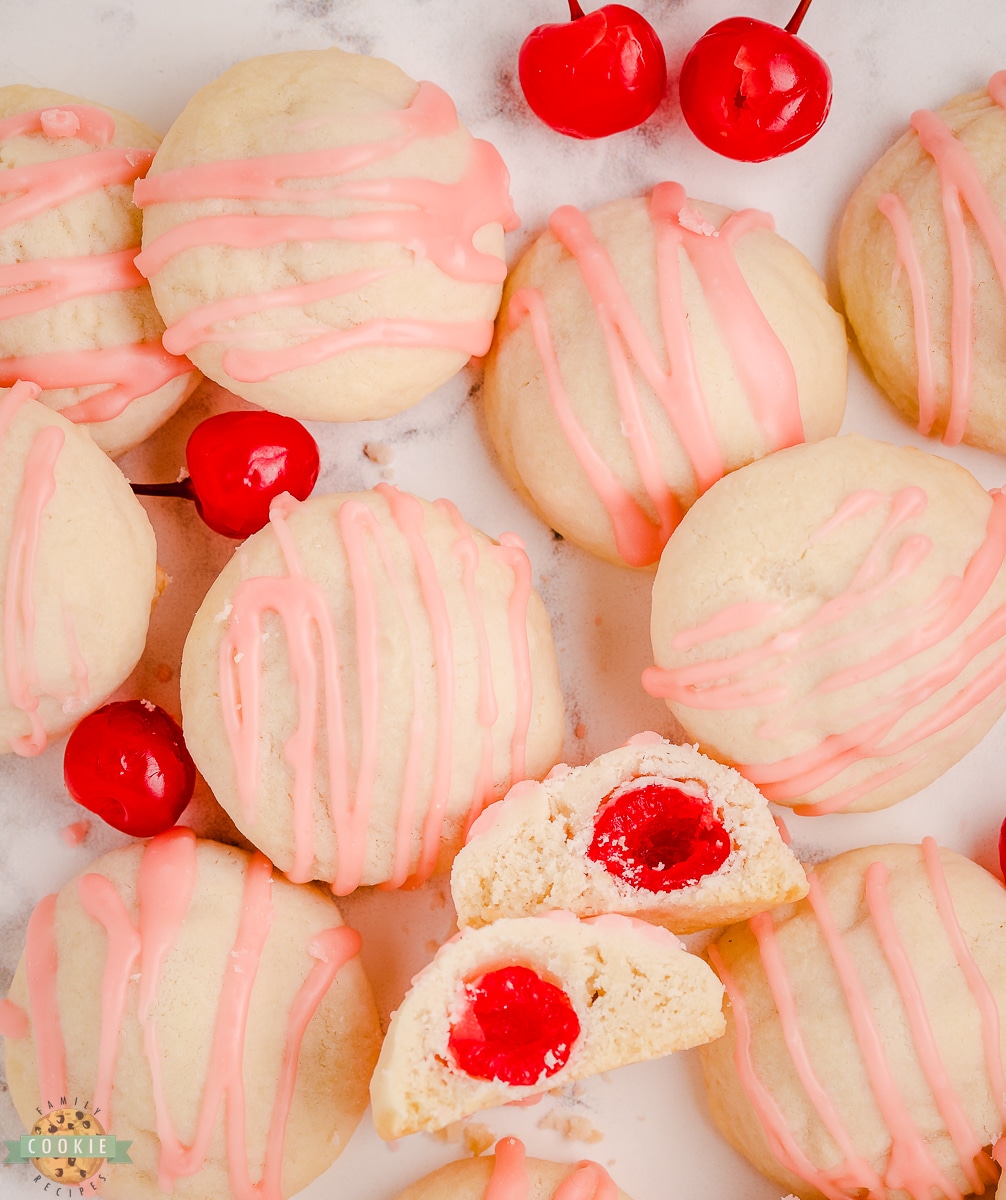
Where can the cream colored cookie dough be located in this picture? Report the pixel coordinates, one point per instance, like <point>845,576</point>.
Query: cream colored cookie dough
<point>667,341</point>
<point>323,237</point>
<point>78,573</point>
<point>470,1178</point>
<point>830,621</point>
<point>530,853</point>
<point>363,677</point>
<point>77,317</point>
<point>870,1056</point>
<point>636,992</point>
<point>900,259</point>
<point>168,955</point>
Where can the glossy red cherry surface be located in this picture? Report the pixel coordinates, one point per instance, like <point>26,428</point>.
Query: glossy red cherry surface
<point>659,838</point>
<point>516,1027</point>
<point>127,763</point>
<point>596,74</point>
<point>238,463</point>
<point>752,91</point>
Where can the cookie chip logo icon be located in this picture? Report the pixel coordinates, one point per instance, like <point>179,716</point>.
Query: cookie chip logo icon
<point>69,1125</point>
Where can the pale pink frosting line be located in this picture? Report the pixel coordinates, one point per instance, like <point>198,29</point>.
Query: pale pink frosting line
<point>487,711</point>
<point>977,983</point>
<point>636,539</point>
<point>14,1021</point>
<point>855,1171</point>
<point>966,1142</point>
<point>100,900</point>
<point>511,551</point>
<point>408,516</point>
<point>43,186</point>
<point>778,1134</point>
<point>40,961</point>
<point>67,278</point>
<point>910,1165</point>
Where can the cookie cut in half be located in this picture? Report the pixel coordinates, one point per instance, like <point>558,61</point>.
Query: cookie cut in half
<point>652,830</point>
<point>529,1003</point>
<point>508,1174</point>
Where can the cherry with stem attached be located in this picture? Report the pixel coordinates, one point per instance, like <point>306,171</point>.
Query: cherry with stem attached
<point>753,91</point>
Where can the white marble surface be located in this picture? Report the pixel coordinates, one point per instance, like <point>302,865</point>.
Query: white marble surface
<point>887,57</point>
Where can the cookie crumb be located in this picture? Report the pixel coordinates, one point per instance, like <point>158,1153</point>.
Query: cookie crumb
<point>378,452</point>
<point>478,1138</point>
<point>572,1127</point>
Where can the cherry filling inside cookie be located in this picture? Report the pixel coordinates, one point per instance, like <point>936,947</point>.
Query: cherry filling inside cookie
<point>515,1027</point>
<point>659,837</point>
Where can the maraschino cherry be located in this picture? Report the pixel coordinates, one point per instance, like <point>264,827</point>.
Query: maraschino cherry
<point>752,91</point>
<point>515,1027</point>
<point>127,763</point>
<point>597,74</point>
<point>238,462</point>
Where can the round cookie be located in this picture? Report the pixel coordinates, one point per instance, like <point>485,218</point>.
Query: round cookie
<point>179,980</point>
<point>509,1174</point>
<point>830,621</point>
<point>526,1004</point>
<point>652,830</point>
<point>646,348</point>
<point>77,317</point>
<point>78,573</point>
<point>323,237</point>
<point>862,1053</point>
<point>363,677</point>
<point>921,257</point>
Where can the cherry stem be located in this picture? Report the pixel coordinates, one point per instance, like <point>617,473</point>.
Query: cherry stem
<point>576,12</point>
<point>183,489</point>
<point>796,20</point>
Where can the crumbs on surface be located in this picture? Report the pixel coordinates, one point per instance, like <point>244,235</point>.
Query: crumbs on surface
<point>379,452</point>
<point>473,1135</point>
<point>572,1127</point>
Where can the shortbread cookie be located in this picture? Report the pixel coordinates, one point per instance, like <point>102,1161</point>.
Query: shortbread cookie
<point>863,1050</point>
<point>921,257</point>
<point>76,315</point>
<point>508,1174</point>
<point>831,621</point>
<point>530,1003</point>
<point>648,347</point>
<point>653,830</point>
<point>214,1015</point>
<point>323,236</point>
<point>364,676</point>
<point>77,570</point>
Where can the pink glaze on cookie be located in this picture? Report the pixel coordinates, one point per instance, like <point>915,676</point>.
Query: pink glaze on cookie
<point>122,372</point>
<point>14,1021</point>
<point>138,951</point>
<point>758,357</point>
<point>435,221</point>
<point>20,664</point>
<point>303,609</point>
<point>510,1180</point>
<point>910,1166</point>
<point>759,675</point>
<point>960,186</point>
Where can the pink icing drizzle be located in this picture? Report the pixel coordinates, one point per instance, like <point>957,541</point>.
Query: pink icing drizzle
<point>510,1181</point>
<point>14,1021</point>
<point>164,888</point>
<point>960,185</point>
<point>910,1165</point>
<point>436,221</point>
<point>303,610</point>
<point>759,358</point>
<point>124,372</point>
<point>37,489</point>
<point>74,834</point>
<point>759,675</point>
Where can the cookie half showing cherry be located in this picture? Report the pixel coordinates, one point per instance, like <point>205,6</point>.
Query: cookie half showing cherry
<point>128,764</point>
<point>521,1005</point>
<point>652,830</point>
<point>600,73</point>
<point>753,91</point>
<point>238,463</point>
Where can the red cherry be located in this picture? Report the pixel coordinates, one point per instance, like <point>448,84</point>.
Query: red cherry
<point>752,91</point>
<point>238,463</point>
<point>659,838</point>
<point>516,1027</point>
<point>127,762</point>
<point>598,74</point>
